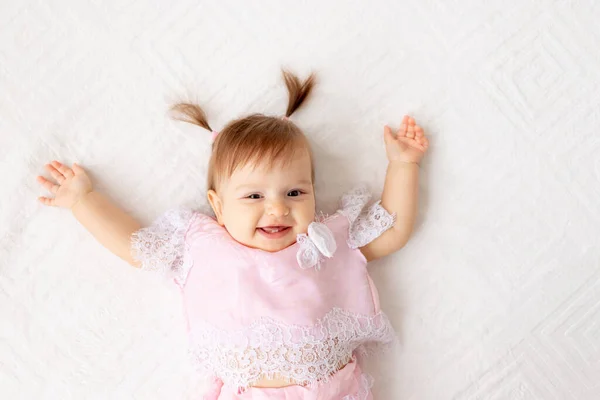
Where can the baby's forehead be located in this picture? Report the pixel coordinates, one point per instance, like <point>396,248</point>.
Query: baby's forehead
<point>282,172</point>
<point>268,171</point>
<point>296,163</point>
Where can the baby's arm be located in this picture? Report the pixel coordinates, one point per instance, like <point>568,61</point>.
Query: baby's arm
<point>400,192</point>
<point>109,224</point>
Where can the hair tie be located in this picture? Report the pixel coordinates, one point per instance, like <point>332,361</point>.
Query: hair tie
<point>214,135</point>
<point>285,118</point>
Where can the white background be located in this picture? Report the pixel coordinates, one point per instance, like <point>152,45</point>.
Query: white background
<point>496,296</point>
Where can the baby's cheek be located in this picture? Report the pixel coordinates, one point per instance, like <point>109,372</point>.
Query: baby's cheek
<point>237,220</point>
<point>305,218</point>
<point>240,232</point>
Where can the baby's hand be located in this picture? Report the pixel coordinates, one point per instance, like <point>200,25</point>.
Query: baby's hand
<point>408,145</point>
<point>72,185</point>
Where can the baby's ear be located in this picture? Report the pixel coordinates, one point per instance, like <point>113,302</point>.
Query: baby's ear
<point>217,205</point>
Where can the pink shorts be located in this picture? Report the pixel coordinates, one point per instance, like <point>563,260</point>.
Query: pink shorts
<point>349,383</point>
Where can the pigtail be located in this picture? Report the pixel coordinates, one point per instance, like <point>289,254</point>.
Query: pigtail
<point>191,113</point>
<point>298,92</point>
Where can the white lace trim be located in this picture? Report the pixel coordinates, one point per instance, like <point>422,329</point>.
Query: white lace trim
<point>160,247</point>
<point>354,201</point>
<point>301,354</point>
<point>366,224</point>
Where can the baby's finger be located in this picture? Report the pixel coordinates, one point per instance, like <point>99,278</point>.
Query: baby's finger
<point>47,184</point>
<point>47,201</point>
<point>418,131</point>
<point>77,169</point>
<point>402,130</point>
<point>410,131</point>
<point>66,171</point>
<point>55,173</point>
<point>403,125</point>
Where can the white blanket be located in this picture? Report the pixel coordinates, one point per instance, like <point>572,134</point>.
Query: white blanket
<point>497,294</point>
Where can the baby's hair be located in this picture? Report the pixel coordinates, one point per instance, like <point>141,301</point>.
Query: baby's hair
<point>256,138</point>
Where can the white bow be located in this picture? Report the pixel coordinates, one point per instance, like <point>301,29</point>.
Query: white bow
<point>317,243</point>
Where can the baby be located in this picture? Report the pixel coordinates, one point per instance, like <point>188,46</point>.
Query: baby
<point>279,303</point>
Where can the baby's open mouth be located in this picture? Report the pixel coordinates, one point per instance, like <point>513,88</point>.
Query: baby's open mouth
<point>274,232</point>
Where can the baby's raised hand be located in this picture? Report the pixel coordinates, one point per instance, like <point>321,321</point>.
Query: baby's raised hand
<point>72,185</point>
<point>409,144</point>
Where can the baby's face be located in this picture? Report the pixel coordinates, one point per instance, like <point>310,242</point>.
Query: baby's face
<point>266,208</point>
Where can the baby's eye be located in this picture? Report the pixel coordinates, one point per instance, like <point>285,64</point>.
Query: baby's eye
<point>294,193</point>
<point>253,196</point>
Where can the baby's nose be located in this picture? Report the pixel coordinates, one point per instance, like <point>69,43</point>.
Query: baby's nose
<point>278,209</point>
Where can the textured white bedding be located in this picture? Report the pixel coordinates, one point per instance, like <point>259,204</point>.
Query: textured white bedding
<point>496,296</point>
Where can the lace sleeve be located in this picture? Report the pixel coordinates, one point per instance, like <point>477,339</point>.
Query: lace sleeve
<point>161,246</point>
<point>366,223</point>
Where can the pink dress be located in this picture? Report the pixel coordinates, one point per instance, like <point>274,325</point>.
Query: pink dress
<point>300,313</point>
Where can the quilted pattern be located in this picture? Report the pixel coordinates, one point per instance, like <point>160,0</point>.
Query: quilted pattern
<point>496,296</point>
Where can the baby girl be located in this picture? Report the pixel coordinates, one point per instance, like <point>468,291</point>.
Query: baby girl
<point>278,300</point>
